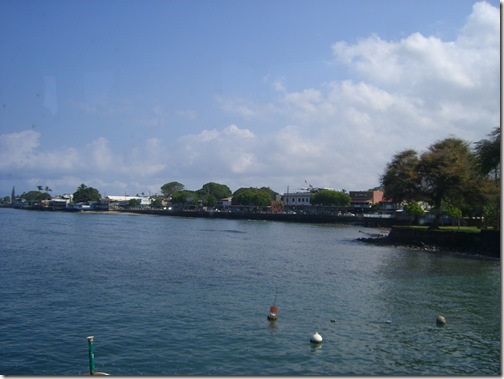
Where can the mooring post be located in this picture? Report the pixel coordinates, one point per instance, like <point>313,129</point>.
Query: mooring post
<point>91,355</point>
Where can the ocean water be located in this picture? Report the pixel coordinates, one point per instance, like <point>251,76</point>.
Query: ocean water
<point>174,296</point>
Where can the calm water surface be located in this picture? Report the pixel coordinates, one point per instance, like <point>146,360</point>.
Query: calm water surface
<point>176,296</point>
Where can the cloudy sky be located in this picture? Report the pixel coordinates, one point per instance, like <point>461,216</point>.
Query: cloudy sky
<point>126,95</point>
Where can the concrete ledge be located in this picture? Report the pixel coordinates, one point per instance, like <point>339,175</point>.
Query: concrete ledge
<point>486,242</point>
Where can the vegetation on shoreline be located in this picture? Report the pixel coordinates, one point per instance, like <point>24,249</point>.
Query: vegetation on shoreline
<point>450,177</point>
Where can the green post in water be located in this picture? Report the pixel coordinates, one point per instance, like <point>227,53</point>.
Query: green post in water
<point>91,354</point>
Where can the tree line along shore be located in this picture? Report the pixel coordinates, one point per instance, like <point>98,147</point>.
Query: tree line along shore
<point>452,179</point>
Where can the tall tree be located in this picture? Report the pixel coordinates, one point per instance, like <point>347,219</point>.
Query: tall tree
<point>448,172</point>
<point>211,192</point>
<point>219,191</point>
<point>85,194</point>
<point>401,181</point>
<point>488,152</point>
<point>185,197</point>
<point>330,197</point>
<point>13,194</point>
<point>258,197</point>
<point>171,188</point>
<point>45,189</point>
<point>34,197</point>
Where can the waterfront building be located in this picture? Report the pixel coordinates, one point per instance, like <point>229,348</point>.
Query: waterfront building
<point>123,200</point>
<point>297,199</point>
<point>365,199</point>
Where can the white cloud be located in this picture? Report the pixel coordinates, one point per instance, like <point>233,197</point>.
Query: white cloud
<point>17,149</point>
<point>22,157</point>
<point>428,66</point>
<point>408,93</point>
<point>482,30</point>
<point>234,131</point>
<point>230,150</point>
<point>236,106</point>
<point>20,151</point>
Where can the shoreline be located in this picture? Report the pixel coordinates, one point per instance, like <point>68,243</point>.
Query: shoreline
<point>485,244</point>
<point>359,220</point>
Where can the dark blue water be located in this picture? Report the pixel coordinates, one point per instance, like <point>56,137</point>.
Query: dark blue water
<point>175,296</point>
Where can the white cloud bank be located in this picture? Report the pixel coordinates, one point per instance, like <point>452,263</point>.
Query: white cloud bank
<point>406,94</point>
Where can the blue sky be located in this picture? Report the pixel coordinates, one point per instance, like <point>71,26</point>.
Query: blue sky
<point>127,95</point>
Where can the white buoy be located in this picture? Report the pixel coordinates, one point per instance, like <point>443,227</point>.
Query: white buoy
<point>441,320</point>
<point>316,338</point>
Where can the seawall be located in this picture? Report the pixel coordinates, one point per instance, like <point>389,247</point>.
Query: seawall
<point>486,242</point>
<point>286,217</point>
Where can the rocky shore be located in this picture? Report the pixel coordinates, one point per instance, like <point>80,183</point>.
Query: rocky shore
<point>486,243</point>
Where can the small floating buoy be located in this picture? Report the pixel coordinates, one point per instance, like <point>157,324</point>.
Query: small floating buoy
<point>272,315</point>
<point>316,338</point>
<point>440,320</point>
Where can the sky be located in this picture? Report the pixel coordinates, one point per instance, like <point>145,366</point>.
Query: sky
<point>127,95</point>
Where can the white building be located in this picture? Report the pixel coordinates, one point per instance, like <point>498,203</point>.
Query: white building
<point>124,200</point>
<point>226,202</point>
<point>297,199</point>
<point>301,198</point>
